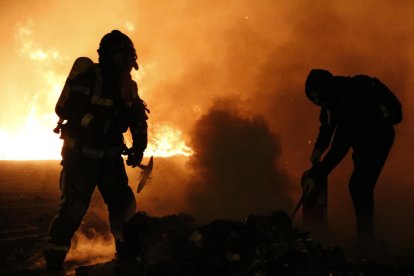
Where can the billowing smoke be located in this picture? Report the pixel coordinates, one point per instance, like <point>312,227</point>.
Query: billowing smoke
<point>234,166</point>
<point>90,250</point>
<point>193,52</point>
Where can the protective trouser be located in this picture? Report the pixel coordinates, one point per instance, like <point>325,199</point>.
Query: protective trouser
<point>78,179</point>
<point>369,156</point>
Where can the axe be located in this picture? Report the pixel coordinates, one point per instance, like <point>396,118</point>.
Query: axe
<point>145,174</point>
<point>302,198</point>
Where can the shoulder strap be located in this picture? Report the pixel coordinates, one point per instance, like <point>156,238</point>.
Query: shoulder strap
<point>97,92</point>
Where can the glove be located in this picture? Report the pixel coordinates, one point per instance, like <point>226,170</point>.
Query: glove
<point>308,185</point>
<point>134,158</point>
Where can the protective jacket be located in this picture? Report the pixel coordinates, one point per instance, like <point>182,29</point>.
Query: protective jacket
<point>358,109</point>
<point>100,108</point>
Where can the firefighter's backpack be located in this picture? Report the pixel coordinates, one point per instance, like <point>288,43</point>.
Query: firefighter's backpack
<point>81,64</point>
<point>390,102</point>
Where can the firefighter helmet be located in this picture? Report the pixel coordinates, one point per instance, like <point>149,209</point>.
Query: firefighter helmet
<point>114,43</point>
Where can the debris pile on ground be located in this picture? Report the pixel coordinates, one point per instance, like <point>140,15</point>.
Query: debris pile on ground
<point>260,245</point>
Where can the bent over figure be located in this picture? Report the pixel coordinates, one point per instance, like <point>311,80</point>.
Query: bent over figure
<point>359,113</point>
<point>101,104</point>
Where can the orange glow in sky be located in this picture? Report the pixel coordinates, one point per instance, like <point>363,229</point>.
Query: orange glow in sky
<point>191,53</point>
<point>27,132</point>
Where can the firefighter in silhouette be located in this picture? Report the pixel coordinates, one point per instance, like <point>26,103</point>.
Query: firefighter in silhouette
<point>100,104</point>
<point>359,113</point>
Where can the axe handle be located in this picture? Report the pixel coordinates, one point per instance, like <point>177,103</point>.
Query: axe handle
<point>298,206</point>
<point>302,198</point>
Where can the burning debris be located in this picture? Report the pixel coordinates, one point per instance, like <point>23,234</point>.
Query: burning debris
<point>261,245</point>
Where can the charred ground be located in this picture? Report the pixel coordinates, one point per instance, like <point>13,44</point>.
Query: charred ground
<point>29,198</point>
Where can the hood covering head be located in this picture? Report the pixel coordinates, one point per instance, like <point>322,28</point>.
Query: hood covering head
<point>319,82</point>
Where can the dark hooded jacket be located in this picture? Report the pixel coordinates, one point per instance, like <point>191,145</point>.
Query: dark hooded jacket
<point>359,110</point>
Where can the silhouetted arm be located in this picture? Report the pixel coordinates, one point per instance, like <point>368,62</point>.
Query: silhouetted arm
<point>339,148</point>
<point>326,130</point>
<point>138,125</point>
<point>137,116</point>
<point>336,153</point>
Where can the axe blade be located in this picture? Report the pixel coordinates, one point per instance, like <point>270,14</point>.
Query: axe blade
<point>145,174</point>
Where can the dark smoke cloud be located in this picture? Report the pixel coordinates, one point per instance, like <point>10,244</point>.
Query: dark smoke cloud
<point>234,165</point>
<point>192,52</point>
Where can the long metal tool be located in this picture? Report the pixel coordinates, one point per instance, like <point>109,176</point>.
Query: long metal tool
<point>300,202</point>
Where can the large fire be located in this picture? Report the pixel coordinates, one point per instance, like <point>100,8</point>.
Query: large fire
<point>36,141</point>
<point>166,141</point>
<point>33,139</point>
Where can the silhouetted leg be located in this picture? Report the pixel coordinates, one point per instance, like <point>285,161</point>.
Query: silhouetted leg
<point>77,182</point>
<point>369,159</point>
<point>117,195</point>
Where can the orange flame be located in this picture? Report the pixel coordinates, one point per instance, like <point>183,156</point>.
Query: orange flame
<point>34,139</point>
<point>165,141</point>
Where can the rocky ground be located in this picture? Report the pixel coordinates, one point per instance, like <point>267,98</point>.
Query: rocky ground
<point>168,245</point>
<point>260,245</point>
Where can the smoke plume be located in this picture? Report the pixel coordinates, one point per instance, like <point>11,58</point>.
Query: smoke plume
<point>234,165</point>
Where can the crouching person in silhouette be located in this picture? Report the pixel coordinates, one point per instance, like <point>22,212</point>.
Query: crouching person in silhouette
<point>359,113</point>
